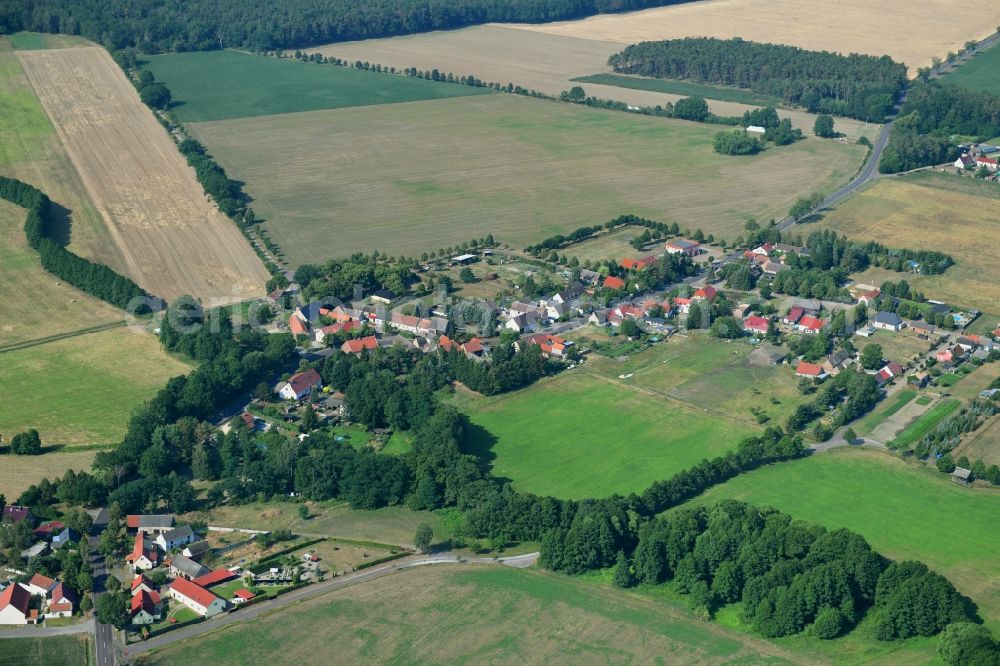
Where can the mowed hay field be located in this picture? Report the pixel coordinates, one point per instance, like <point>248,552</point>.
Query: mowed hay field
<point>231,84</point>
<point>534,60</point>
<point>173,240</point>
<point>903,511</point>
<point>466,614</point>
<point>422,175</point>
<point>948,213</point>
<point>82,390</point>
<point>909,32</point>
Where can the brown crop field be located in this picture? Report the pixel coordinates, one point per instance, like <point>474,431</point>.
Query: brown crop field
<point>534,60</point>
<point>424,175</point>
<point>172,239</point>
<point>910,32</point>
<point>952,214</point>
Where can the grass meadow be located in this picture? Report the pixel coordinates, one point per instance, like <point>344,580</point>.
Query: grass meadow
<point>903,511</point>
<point>590,433</point>
<point>982,73</point>
<point>957,215</point>
<point>419,176</point>
<point>214,85</point>
<point>613,245</point>
<point>464,614</point>
<point>984,444</point>
<point>580,436</point>
<point>686,88</point>
<point>81,390</point>
<point>19,472</point>
<point>883,411</point>
<point>923,424</point>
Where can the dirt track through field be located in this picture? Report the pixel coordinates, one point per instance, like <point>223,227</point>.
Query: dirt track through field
<point>909,32</point>
<point>173,238</point>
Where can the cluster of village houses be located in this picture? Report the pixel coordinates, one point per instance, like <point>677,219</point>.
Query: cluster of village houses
<point>981,156</point>
<point>541,322</point>
<point>41,597</point>
<point>158,542</point>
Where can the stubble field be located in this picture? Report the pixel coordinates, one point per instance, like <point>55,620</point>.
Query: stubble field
<point>541,61</point>
<point>418,176</point>
<point>172,239</point>
<point>955,215</point>
<point>909,32</point>
<point>478,615</point>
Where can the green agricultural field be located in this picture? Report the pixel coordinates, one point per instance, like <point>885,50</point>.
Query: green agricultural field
<point>981,73</point>
<point>421,176</point>
<point>924,423</point>
<point>687,88</point>
<point>73,650</point>
<point>582,436</point>
<point>478,615</point>
<point>903,511</point>
<point>81,390</point>
<point>214,85</point>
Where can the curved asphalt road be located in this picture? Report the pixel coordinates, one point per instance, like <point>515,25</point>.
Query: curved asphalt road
<point>252,612</point>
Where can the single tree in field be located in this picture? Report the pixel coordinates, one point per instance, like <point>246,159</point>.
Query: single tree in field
<point>466,275</point>
<point>422,539</point>
<point>850,436</point>
<point>26,443</point>
<point>824,126</point>
<point>303,512</point>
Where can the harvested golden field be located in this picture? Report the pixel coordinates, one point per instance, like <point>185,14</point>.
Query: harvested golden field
<point>534,60</point>
<point>931,211</point>
<point>910,32</point>
<point>19,472</point>
<point>173,240</point>
<point>424,175</point>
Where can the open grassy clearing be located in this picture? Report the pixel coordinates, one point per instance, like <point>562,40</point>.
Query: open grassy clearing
<point>579,435</point>
<point>980,73</point>
<point>19,472</point>
<point>708,374</point>
<point>393,525</point>
<point>901,347</point>
<point>230,84</point>
<point>965,225</point>
<point>418,176</point>
<point>173,240</point>
<point>903,511</point>
<point>686,88</point>
<point>33,41</point>
<point>475,615</point>
<point>910,33</point>
<point>81,390</point>
<point>614,245</point>
<point>72,650</point>
<point>977,380</point>
<point>544,62</point>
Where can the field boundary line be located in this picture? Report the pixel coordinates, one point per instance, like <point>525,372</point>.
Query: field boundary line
<point>61,336</point>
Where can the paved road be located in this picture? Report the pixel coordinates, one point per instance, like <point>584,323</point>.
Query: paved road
<point>104,634</point>
<point>253,612</point>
